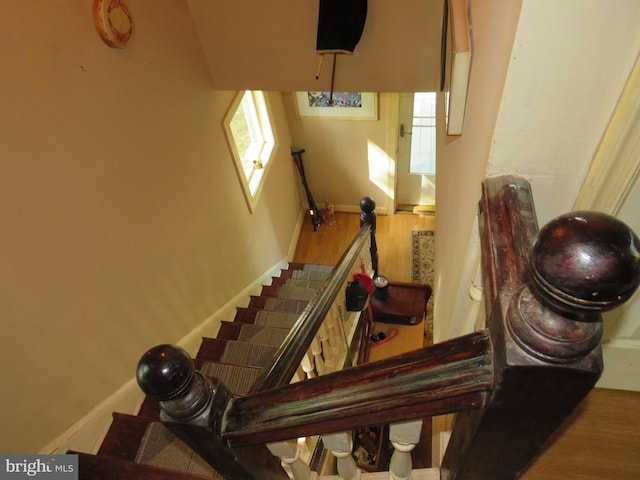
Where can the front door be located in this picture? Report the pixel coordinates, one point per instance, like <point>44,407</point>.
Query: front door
<point>415,174</point>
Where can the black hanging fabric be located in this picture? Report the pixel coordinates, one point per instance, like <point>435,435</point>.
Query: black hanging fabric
<point>340,25</point>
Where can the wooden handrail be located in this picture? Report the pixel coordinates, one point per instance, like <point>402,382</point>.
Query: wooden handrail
<point>443,378</point>
<point>289,355</point>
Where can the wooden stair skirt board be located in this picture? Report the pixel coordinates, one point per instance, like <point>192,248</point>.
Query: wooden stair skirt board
<point>135,445</point>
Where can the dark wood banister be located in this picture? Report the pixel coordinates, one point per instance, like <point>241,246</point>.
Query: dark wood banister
<point>513,384</point>
<point>289,355</point>
<point>444,378</point>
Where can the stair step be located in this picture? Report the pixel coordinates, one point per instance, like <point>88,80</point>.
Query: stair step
<point>296,266</point>
<point>237,378</point>
<point>305,282</point>
<point>161,448</point>
<point>299,281</point>
<point>318,275</point>
<point>289,292</point>
<point>261,334</point>
<point>124,436</point>
<point>246,314</point>
<point>310,267</point>
<point>211,349</point>
<point>271,318</point>
<point>94,467</point>
<point>249,354</point>
<point>285,305</point>
<point>233,352</point>
<point>277,304</point>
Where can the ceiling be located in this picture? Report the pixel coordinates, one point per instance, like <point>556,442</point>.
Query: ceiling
<point>253,44</point>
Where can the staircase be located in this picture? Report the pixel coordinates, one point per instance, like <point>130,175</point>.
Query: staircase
<point>510,385</point>
<point>140,446</point>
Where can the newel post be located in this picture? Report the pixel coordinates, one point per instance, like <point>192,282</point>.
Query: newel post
<point>546,290</point>
<point>191,407</point>
<point>368,216</point>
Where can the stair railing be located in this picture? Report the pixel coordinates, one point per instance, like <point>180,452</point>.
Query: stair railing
<point>359,254</point>
<point>513,384</point>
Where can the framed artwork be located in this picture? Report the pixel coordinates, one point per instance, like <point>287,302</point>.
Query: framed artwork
<point>346,105</point>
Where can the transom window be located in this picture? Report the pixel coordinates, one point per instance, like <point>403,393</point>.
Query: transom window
<point>249,132</point>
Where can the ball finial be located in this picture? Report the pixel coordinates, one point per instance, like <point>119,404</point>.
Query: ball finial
<point>165,372</point>
<point>367,204</point>
<point>586,262</point>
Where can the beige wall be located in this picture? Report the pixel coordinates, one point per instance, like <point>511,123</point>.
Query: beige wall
<point>346,160</point>
<point>462,161</point>
<point>272,45</point>
<point>122,223</point>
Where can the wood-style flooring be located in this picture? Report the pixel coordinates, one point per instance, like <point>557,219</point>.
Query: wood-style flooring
<point>601,440</point>
<point>328,243</point>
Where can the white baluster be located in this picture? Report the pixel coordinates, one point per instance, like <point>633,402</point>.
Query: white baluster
<point>336,341</point>
<point>300,374</point>
<point>323,339</point>
<point>289,453</point>
<point>316,350</point>
<point>308,365</point>
<point>341,445</point>
<point>404,437</point>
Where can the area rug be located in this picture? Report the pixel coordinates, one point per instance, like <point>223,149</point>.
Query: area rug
<point>422,258</point>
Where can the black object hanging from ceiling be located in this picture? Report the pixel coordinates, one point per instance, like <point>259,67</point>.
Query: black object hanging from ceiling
<point>340,27</point>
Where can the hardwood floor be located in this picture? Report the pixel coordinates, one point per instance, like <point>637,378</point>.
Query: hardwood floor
<point>601,440</point>
<point>326,245</point>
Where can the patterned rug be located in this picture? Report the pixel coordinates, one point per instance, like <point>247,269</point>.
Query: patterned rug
<point>422,257</point>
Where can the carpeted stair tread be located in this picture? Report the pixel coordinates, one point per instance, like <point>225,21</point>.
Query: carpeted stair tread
<point>237,378</point>
<point>304,282</point>
<point>160,448</point>
<point>285,305</point>
<point>288,292</point>
<point>310,267</point>
<point>261,334</point>
<point>249,354</point>
<point>272,318</point>
<point>319,275</point>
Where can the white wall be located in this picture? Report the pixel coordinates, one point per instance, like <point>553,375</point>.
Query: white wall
<point>569,63</point>
<point>561,89</point>
<point>462,163</point>
<point>122,222</point>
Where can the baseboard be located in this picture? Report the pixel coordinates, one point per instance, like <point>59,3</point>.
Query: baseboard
<point>356,209</point>
<point>87,434</point>
<point>625,355</point>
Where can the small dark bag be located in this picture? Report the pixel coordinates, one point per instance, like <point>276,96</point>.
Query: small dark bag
<point>356,296</point>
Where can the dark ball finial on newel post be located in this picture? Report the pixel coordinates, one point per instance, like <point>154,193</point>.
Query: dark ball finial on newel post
<point>586,262</point>
<point>166,373</point>
<point>581,264</point>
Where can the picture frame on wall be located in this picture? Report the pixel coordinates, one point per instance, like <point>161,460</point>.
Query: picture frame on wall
<point>346,105</point>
